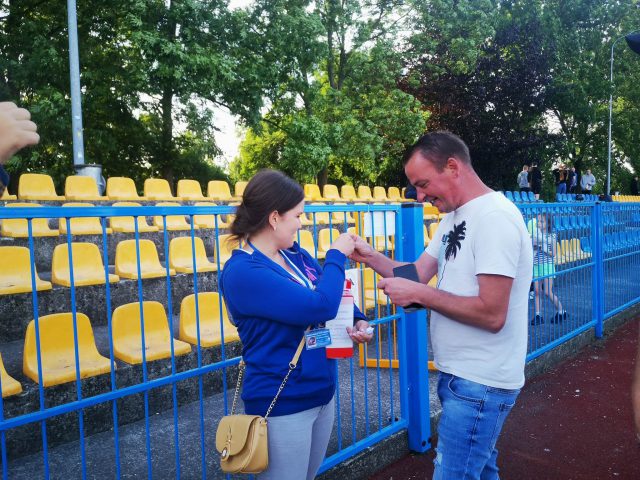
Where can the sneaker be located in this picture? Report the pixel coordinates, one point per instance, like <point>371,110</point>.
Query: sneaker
<point>537,320</point>
<point>559,317</point>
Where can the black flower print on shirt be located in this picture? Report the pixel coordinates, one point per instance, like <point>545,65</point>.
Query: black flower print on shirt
<point>454,239</point>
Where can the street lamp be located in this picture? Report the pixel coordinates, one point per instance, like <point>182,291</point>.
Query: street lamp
<point>633,40</point>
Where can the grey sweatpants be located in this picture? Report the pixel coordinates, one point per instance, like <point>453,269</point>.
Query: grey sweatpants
<point>298,443</point>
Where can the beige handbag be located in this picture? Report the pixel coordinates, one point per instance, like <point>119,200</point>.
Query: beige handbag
<point>241,440</point>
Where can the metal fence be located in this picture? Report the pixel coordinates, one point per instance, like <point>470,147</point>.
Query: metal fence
<point>137,404</point>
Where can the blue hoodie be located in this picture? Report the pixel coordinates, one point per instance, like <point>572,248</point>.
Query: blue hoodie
<point>272,311</point>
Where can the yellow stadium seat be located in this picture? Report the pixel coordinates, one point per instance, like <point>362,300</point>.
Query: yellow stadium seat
<point>37,186</point>
<point>394,195</point>
<point>330,193</point>
<point>239,190</point>
<point>364,194</point>
<point>338,217</point>
<point>122,188</point>
<point>5,196</point>
<point>380,194</point>
<point>432,230</point>
<point>157,189</point>
<point>81,225</point>
<point>190,190</point>
<point>209,321</point>
<point>174,222</point>
<point>181,258</point>
<point>348,193</point>
<point>429,212</point>
<point>126,260</point>
<point>426,235</point>
<point>575,247</point>
<point>128,224</point>
<point>57,350</point>
<point>372,294</point>
<point>321,218</point>
<point>80,188</point>
<point>19,227</point>
<point>326,237</point>
<point>226,247</point>
<point>219,190</point>
<point>127,333</point>
<point>208,221</point>
<point>10,386</point>
<point>306,242</point>
<point>88,268</point>
<point>312,193</point>
<point>15,274</point>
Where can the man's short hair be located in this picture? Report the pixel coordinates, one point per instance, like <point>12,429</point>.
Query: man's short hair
<point>438,147</point>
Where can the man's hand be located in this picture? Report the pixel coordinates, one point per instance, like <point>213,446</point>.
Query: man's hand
<point>401,291</point>
<point>362,252</point>
<point>16,130</point>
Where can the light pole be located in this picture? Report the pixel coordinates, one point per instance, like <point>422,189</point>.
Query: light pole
<point>633,40</point>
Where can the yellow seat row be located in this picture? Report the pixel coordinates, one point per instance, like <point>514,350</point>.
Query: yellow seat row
<point>38,186</point>
<point>626,198</point>
<point>206,325</point>
<point>18,227</point>
<point>348,193</point>
<point>88,266</point>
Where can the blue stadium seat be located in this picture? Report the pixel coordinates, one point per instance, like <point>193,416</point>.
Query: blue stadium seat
<point>585,244</point>
<point>516,196</point>
<point>509,195</point>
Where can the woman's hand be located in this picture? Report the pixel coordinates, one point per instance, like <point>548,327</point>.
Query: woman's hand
<point>359,332</point>
<point>344,243</point>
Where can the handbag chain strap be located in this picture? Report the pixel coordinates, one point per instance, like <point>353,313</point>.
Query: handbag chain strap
<point>292,365</point>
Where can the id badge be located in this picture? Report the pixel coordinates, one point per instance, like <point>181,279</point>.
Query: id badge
<point>318,338</point>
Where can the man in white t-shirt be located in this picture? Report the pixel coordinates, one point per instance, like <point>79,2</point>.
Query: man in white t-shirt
<point>482,255</point>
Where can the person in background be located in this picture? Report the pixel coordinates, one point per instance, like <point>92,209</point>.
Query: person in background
<point>535,180</point>
<point>572,180</point>
<point>523,179</point>
<point>16,132</point>
<point>275,291</point>
<point>478,319</point>
<point>544,269</point>
<point>561,180</point>
<point>587,182</point>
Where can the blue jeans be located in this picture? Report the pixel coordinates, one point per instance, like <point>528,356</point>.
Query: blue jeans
<point>471,421</point>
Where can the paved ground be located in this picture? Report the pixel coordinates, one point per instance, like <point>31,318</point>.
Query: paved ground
<point>572,423</point>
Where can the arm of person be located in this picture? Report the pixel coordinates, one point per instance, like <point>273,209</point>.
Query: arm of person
<point>487,310</point>
<point>16,130</point>
<point>496,249</point>
<point>257,290</point>
<point>365,253</point>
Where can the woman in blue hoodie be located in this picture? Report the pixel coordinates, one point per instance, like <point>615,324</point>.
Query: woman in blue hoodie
<point>274,291</point>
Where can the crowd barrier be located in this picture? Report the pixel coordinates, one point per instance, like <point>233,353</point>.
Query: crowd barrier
<point>144,336</point>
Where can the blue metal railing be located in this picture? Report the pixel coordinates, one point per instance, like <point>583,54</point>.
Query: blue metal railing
<point>369,389</point>
<point>595,250</point>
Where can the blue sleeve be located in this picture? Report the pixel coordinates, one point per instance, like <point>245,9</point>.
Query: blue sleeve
<point>357,314</point>
<point>258,291</point>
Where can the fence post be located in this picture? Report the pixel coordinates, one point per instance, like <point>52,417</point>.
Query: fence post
<point>417,358</point>
<point>597,240</point>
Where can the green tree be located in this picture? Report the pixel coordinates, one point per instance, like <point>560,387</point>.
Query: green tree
<point>341,117</point>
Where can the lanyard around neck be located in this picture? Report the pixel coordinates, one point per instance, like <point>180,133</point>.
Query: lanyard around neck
<point>297,275</point>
